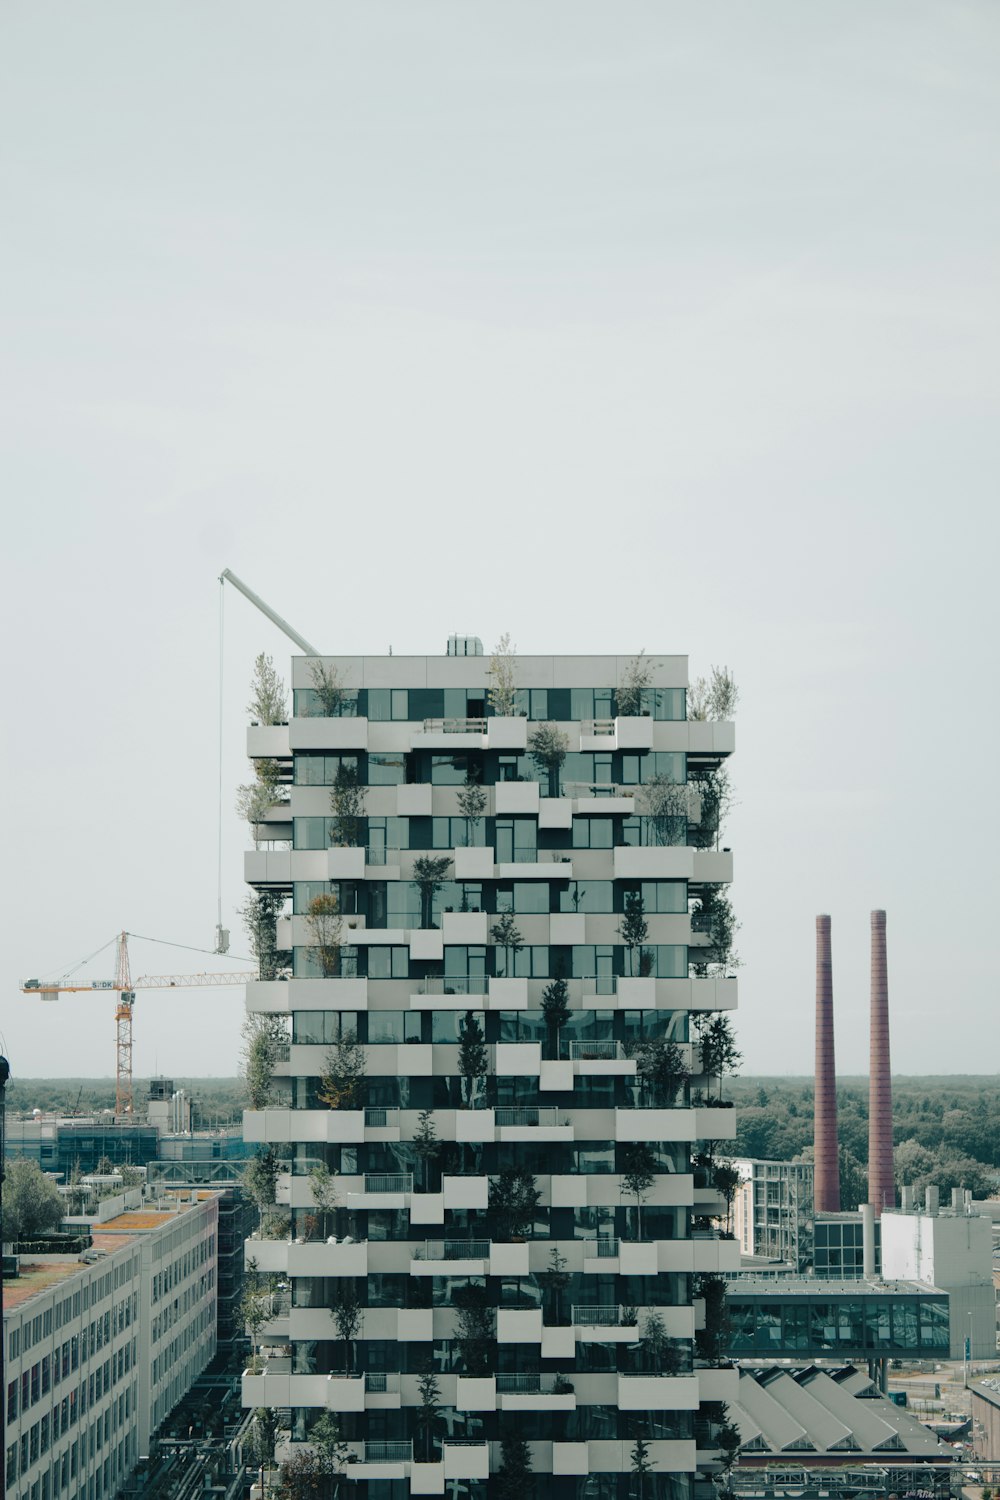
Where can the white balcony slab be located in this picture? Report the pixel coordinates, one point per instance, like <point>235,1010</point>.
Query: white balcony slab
<point>555,1077</point>
<point>268,742</point>
<point>415,1060</point>
<point>426,1479</point>
<point>445,1267</point>
<point>267,1255</point>
<point>267,866</point>
<point>426,944</point>
<point>568,1192</point>
<point>526,1133</point>
<point>558,1343</point>
<point>718,1385</point>
<point>519,1325</point>
<point>466,1460</point>
<point>475,1125</point>
<point>328,734</point>
<point>658,1393</point>
<point>415,1325</point>
<point>345,1393</point>
<point>517,797</point>
<point>518,1059</point>
<point>536,1401</point>
<point>508,1260</point>
<point>571,1458</point>
<point>666,1456</point>
<point>555,812</point>
<point>567,928</point>
<point>320,1258</point>
<point>474,864</point>
<point>506,733</point>
<point>345,864</point>
<point>465,1192</point>
<point>549,869</point>
<point>655,1125</point>
<point>634,732</point>
<point>713,866</point>
<point>638,1257</point>
<point>476,1393</point>
<point>714,1124</point>
<point>427,1208</point>
<point>434,999</point>
<point>508,994</point>
<point>414,801</point>
<point>608,807</point>
<point>653,862</point>
<point>465,927</point>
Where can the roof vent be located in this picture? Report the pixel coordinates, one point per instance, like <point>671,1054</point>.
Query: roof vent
<point>464,645</point>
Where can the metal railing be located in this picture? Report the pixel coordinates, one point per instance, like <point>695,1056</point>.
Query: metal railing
<point>455,1250</point>
<point>278,1364</point>
<point>596,1051</point>
<point>529,1114</point>
<point>282,1052</point>
<point>591,1316</point>
<point>600,789</point>
<point>281,1304</point>
<point>381,1119</point>
<point>388,1182</point>
<point>601,1249</point>
<point>397,1452</point>
<point>454,726</point>
<point>381,1382</point>
<point>521,1385</point>
<point>597,726</point>
<point>376,854</point>
<point>453,984</point>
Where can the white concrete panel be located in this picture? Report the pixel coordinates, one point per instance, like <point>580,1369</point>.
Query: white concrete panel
<point>465,927</point>
<point>567,928</point>
<point>516,797</point>
<point>413,801</point>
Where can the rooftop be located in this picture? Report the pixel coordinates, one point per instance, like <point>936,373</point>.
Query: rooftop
<point>43,1272</point>
<point>818,1286</point>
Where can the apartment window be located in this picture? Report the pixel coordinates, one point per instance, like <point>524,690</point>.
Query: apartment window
<point>317,768</point>
<point>531,703</point>
<point>587,896</point>
<point>393,1026</point>
<point>385,834</point>
<point>454,833</point>
<point>591,703</point>
<point>451,770</point>
<point>385,962</point>
<point>525,897</point>
<point>323,1027</point>
<point>587,773</point>
<point>387,768</point>
<point>388,703</point>
<point>516,840</point>
<point>593,833</point>
<point>642,767</point>
<point>348,893</point>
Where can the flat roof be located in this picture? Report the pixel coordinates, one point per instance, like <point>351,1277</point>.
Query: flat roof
<point>37,1276</point>
<point>818,1286</point>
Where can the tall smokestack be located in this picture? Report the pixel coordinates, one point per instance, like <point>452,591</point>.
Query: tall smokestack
<point>881,1187</point>
<point>826,1180</point>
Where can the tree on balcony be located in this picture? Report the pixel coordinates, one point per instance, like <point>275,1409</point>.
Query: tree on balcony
<point>712,1341</point>
<point>555,1009</point>
<point>514,1476</point>
<point>717,1044</point>
<point>726,1181</point>
<point>658,1353</point>
<point>714,698</point>
<point>328,688</point>
<point>548,746</point>
<point>426,1146</point>
<point>347,803</point>
<point>555,1280</point>
<point>716,797</point>
<point>254,1308</point>
<point>255,800</point>
<point>642,1465</point>
<point>260,1439</point>
<point>325,924</point>
<point>661,1071</point>
<point>633,929</point>
<point>472,803</point>
<point>502,672</point>
<point>473,1057</point>
<point>665,804</point>
<point>260,913</point>
<point>308,1475</point>
<point>323,1186</point>
<point>347,1314</point>
<point>507,935</point>
<point>263,1038</point>
<point>343,1079</point>
<point>475,1328</point>
<point>428,1413</point>
<point>713,915</point>
<point>638,1176</point>
<point>636,680</point>
<point>429,872</point>
<point>514,1199</point>
<point>268,694</point>
<point>260,1178</point>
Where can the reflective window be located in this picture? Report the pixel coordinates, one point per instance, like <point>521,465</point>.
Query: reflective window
<point>593,833</point>
<point>450,770</point>
<point>388,703</point>
<point>516,840</point>
<point>316,768</point>
<point>587,896</point>
<point>532,703</point>
<point>524,897</point>
<point>387,768</point>
<point>640,766</point>
<point>386,962</point>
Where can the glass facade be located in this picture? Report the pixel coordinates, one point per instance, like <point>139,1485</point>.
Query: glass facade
<point>843,1324</point>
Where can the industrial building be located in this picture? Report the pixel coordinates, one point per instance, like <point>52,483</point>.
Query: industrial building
<point>495,1221</point>
<point>100,1346</point>
<point>773,1210</point>
<point>951,1248</point>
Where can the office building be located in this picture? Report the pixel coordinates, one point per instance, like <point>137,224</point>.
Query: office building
<point>516,1210</point>
<point>772,1210</point>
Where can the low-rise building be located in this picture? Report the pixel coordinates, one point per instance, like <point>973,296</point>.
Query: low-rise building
<point>951,1249</point>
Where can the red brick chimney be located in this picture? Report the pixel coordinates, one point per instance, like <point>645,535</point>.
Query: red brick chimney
<point>881,1183</point>
<point>826,1189</point>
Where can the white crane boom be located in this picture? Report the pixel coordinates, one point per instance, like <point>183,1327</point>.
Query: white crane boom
<point>265,609</point>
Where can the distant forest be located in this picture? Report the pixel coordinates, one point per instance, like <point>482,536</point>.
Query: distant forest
<point>946,1128</point>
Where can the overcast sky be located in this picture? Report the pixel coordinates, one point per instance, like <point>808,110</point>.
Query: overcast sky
<point>662,325</point>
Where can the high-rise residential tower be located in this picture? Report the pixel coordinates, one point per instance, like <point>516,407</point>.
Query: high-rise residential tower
<point>500,928</point>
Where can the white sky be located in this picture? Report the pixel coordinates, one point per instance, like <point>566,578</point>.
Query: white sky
<point>622,325</point>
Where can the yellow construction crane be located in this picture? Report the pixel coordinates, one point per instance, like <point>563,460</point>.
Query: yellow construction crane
<point>126,988</point>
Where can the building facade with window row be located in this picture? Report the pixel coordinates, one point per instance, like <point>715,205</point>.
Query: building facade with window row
<point>493,937</point>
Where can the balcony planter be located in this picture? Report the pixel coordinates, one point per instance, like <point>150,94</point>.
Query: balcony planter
<point>476,1393</point>
<point>658,1393</point>
<point>466,1460</point>
<point>571,1458</point>
<point>427,1479</point>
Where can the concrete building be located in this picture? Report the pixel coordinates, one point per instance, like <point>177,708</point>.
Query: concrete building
<point>470,875</point>
<point>838,1242</point>
<point>98,1348</point>
<point>772,1210</point>
<point>951,1249</point>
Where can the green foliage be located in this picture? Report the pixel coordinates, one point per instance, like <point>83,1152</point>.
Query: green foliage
<point>268,694</point>
<point>426,1145</point>
<point>347,803</point>
<point>475,1328</point>
<point>429,1412</point>
<point>638,1176</point>
<point>260,1177</point>
<point>343,1080</point>
<point>661,1071</point>
<point>514,1477</point>
<point>634,931</point>
<point>666,804</point>
<point>502,672</point>
<point>657,1351</point>
<point>642,1465</point>
<point>263,1037</point>
<point>328,688</point>
<point>555,1281</point>
<point>716,698</point>
<point>31,1204</point>
<point>325,924</point>
<point>260,913</point>
<point>472,801</point>
<point>715,793</point>
<point>717,1043</point>
<point>307,1475</point>
<point>555,1009</point>
<point>429,872</point>
<point>473,1057</point>
<point>548,746</point>
<point>347,1315</point>
<point>514,1197</point>
<point>636,680</point>
<point>507,935</point>
<point>712,1341</point>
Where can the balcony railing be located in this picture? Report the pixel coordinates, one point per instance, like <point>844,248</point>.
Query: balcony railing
<point>282,1052</point>
<point>590,1316</point>
<point>597,1052</point>
<point>454,726</point>
<point>601,1249</point>
<point>597,726</point>
<point>531,1114</point>
<point>380,1382</point>
<point>454,1250</point>
<point>453,984</point>
<point>381,1119</point>
<point>394,1452</point>
<point>388,1182</point>
<point>377,854</point>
